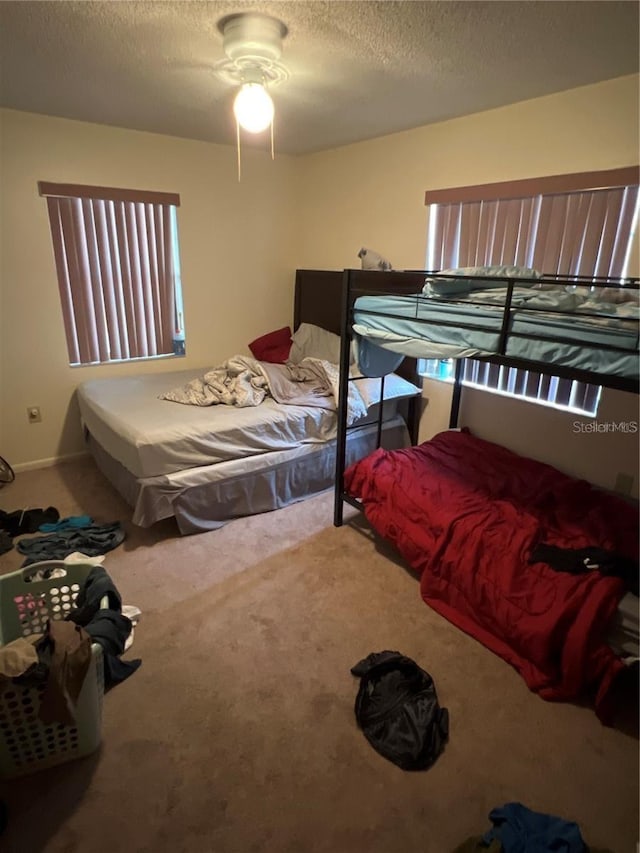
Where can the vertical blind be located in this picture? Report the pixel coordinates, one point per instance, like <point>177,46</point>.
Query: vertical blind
<point>116,273</point>
<point>571,234</point>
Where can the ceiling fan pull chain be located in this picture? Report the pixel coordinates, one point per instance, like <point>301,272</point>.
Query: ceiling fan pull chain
<point>238,147</point>
<point>273,156</point>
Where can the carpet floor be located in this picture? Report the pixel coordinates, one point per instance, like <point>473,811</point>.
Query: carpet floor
<point>237,734</point>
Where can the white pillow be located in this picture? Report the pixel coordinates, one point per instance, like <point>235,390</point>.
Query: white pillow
<point>395,387</point>
<point>482,279</point>
<point>309,341</point>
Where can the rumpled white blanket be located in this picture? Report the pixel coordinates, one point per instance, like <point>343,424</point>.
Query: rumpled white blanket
<point>243,381</point>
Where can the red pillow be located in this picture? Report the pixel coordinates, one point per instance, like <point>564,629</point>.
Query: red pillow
<point>273,347</point>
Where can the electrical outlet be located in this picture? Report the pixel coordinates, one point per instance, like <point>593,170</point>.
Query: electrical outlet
<point>34,416</point>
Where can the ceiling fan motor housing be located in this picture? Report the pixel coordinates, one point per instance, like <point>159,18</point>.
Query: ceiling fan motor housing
<point>252,36</point>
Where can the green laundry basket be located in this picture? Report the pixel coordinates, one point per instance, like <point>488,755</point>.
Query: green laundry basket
<point>27,601</point>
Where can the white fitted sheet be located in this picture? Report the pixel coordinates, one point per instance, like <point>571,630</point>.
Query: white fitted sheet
<point>151,437</point>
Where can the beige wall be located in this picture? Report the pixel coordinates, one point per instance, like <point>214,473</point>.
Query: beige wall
<point>241,243</point>
<point>597,449</point>
<point>236,246</point>
<point>372,194</point>
<point>563,439</point>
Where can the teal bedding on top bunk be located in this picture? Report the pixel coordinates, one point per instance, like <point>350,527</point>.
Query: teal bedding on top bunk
<point>557,326</point>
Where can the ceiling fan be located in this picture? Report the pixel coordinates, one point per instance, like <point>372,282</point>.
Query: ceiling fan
<point>252,43</point>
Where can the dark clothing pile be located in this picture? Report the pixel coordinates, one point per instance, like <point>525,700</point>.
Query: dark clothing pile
<point>93,540</point>
<point>578,561</point>
<point>6,542</point>
<point>106,626</point>
<point>517,829</point>
<point>22,521</point>
<point>397,709</point>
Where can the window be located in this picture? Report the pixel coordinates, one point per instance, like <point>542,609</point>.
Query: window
<point>118,266</point>
<point>571,225</point>
<point>579,397</point>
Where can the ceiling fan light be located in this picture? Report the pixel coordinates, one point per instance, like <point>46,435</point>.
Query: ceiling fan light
<point>253,107</point>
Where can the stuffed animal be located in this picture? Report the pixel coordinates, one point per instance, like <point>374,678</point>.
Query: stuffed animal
<point>373,261</point>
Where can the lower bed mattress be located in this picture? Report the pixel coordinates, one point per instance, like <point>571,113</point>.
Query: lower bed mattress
<point>207,497</point>
<point>208,464</point>
<point>502,557</point>
<point>152,437</point>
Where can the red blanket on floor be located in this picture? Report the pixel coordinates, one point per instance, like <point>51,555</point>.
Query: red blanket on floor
<point>466,514</point>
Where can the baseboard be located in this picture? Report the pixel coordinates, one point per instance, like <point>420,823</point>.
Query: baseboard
<point>48,463</point>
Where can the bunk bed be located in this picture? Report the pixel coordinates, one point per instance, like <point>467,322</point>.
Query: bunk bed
<point>499,541</point>
<point>206,465</point>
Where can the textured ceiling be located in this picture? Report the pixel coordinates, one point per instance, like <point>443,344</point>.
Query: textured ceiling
<point>357,69</point>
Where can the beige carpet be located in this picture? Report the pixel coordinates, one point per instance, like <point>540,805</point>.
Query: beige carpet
<point>237,735</point>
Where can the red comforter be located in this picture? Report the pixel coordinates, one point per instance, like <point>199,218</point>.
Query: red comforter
<point>465,514</point>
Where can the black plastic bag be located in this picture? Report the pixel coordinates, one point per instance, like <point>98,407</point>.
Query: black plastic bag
<point>397,709</point>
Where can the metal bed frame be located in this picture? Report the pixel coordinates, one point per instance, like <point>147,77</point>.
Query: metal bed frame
<point>356,283</point>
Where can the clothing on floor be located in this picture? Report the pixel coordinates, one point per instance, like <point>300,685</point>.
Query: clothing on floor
<point>397,709</point>
<point>581,560</point>
<point>519,830</point>
<point>72,522</point>
<point>93,540</point>
<point>477,844</point>
<point>6,542</point>
<point>105,625</point>
<point>22,521</point>
<point>84,559</point>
